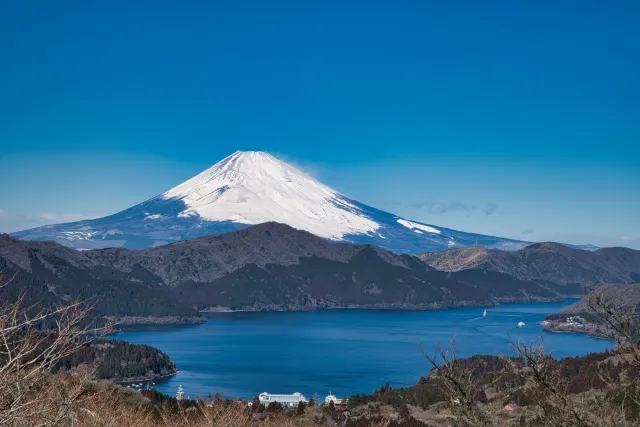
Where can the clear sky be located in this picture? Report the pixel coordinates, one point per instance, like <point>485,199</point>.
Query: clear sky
<point>511,118</point>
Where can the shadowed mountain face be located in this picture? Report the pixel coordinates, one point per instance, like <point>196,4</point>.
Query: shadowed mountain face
<point>46,274</point>
<point>249,188</point>
<point>567,270</point>
<point>269,266</point>
<point>625,296</point>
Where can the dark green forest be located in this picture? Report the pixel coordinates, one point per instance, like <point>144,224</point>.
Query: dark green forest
<point>120,360</point>
<point>108,292</point>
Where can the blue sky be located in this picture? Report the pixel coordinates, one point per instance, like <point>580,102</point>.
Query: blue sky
<point>512,118</point>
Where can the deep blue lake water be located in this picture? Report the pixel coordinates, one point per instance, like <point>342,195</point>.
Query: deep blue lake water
<point>343,351</point>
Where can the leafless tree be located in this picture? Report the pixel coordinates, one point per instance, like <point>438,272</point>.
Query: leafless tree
<point>457,379</point>
<point>616,405</point>
<point>31,346</point>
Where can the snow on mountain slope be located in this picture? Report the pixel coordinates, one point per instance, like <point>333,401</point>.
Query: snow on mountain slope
<point>417,226</point>
<point>250,188</point>
<point>255,187</point>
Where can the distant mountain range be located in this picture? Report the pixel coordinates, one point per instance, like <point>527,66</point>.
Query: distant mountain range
<point>249,188</point>
<point>559,267</point>
<point>273,266</point>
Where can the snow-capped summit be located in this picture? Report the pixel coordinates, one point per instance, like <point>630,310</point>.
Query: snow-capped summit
<point>251,188</point>
<point>254,187</point>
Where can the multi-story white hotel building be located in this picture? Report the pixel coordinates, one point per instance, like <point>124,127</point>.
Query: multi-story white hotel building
<point>284,399</point>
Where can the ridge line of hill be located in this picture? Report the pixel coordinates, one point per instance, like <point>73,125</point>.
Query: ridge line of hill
<point>273,266</point>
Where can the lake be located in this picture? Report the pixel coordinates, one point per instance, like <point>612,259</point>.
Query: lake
<point>342,351</point>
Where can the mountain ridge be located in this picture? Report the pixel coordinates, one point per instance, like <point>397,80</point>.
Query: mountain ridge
<point>546,263</point>
<point>248,188</point>
<point>269,266</point>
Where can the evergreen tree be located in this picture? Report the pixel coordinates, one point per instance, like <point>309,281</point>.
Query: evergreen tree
<point>301,407</point>
<point>217,399</point>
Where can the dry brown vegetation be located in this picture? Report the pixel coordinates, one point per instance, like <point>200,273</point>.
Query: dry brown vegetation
<point>32,394</point>
<point>605,394</point>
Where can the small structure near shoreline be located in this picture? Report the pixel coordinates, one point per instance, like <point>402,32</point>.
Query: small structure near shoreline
<point>284,399</point>
<point>180,393</point>
<point>332,398</point>
<point>576,321</point>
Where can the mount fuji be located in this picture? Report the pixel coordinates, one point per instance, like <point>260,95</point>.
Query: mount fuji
<point>249,188</point>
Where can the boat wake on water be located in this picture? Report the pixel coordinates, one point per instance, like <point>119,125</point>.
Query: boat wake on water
<point>484,316</point>
<point>495,336</point>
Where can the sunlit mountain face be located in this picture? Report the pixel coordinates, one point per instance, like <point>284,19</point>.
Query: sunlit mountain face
<point>254,187</point>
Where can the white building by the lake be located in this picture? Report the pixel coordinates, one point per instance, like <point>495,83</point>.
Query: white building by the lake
<point>332,398</point>
<point>284,399</point>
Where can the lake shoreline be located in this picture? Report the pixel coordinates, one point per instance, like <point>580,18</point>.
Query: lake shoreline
<point>133,321</point>
<point>347,351</point>
<point>589,330</point>
<point>144,379</point>
<point>383,306</point>
<point>156,320</point>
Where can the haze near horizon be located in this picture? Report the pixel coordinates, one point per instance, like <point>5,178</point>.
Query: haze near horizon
<point>513,120</point>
